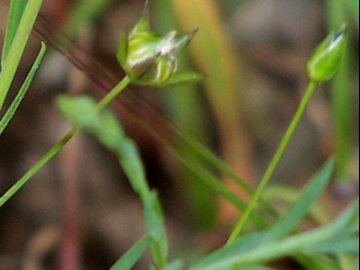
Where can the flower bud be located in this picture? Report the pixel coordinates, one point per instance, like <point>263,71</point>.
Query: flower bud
<point>150,59</point>
<point>326,58</point>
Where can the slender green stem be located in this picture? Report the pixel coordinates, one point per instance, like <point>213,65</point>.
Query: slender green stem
<point>113,93</point>
<point>17,48</point>
<point>275,161</point>
<point>49,155</point>
<point>21,94</point>
<point>60,145</point>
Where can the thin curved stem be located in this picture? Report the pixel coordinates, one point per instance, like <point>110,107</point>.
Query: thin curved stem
<point>21,94</point>
<point>274,162</point>
<point>60,145</point>
<point>49,155</point>
<point>113,93</point>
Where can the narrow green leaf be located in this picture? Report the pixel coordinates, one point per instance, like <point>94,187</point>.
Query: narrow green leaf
<point>316,261</point>
<point>129,259</point>
<point>84,113</point>
<point>300,208</point>
<point>16,11</point>
<point>17,47</point>
<point>349,219</point>
<point>20,95</point>
<point>131,163</point>
<point>154,217</point>
<point>344,243</point>
<point>231,258</point>
<point>79,110</point>
<point>239,246</point>
<point>270,251</point>
<point>342,89</point>
<point>154,220</point>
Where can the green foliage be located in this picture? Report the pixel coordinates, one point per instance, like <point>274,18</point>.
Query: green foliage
<point>16,11</point>
<point>321,248</point>
<point>154,220</point>
<point>271,244</point>
<point>342,87</point>
<point>20,96</point>
<point>83,112</point>
<point>251,250</point>
<point>54,150</point>
<point>129,259</point>
<point>18,33</point>
<point>290,220</point>
<point>22,15</point>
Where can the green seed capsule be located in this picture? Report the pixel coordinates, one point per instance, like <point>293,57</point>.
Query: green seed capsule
<point>150,59</point>
<point>326,58</point>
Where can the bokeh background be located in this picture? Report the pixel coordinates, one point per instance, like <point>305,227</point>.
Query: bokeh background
<point>79,212</point>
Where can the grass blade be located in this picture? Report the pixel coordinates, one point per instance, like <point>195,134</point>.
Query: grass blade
<point>18,46</point>
<point>271,251</point>
<point>349,218</point>
<point>239,246</point>
<point>129,259</point>
<point>348,243</point>
<point>342,92</point>
<point>300,209</point>
<point>19,97</point>
<point>16,11</point>
<point>316,262</point>
<point>241,253</point>
<point>154,220</point>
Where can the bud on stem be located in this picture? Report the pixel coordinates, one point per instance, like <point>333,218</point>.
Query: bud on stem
<point>150,59</point>
<point>325,61</point>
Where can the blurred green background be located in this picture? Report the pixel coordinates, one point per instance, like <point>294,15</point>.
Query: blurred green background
<point>253,55</point>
